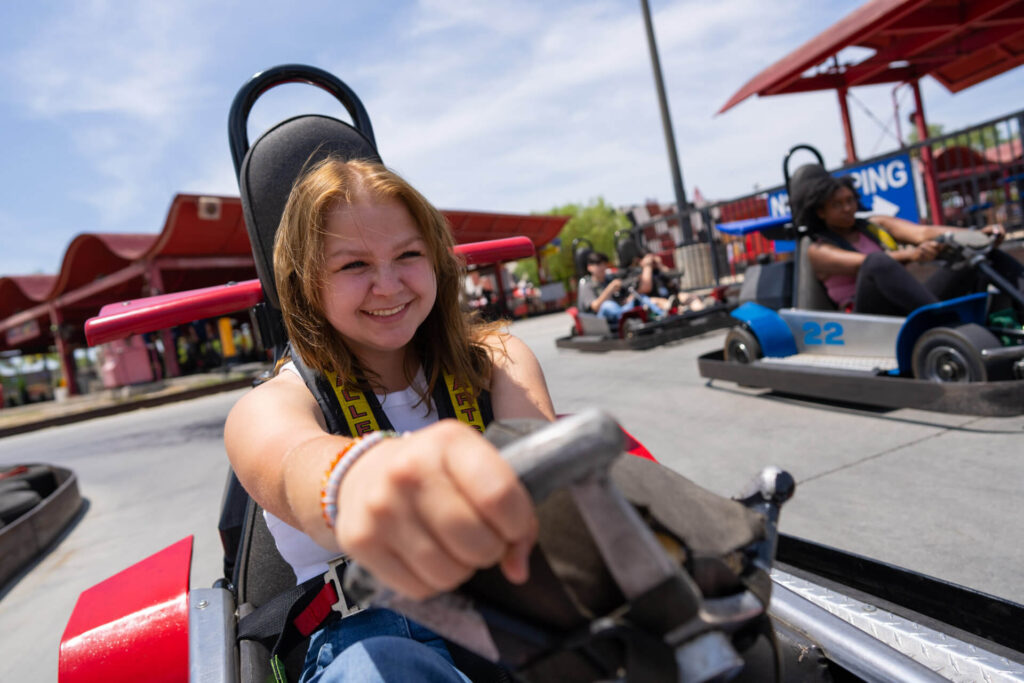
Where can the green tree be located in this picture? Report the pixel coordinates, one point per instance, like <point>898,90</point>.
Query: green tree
<point>934,131</point>
<point>527,268</point>
<point>979,138</point>
<point>596,222</point>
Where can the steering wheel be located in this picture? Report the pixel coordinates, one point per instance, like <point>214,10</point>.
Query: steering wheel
<point>963,248</point>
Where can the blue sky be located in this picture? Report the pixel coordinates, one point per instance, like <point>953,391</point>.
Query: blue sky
<point>108,108</point>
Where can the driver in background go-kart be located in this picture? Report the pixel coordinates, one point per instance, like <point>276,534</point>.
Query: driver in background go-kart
<point>610,297</point>
<point>862,262</point>
<point>369,290</point>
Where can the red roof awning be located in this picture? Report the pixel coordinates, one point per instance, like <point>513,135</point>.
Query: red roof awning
<point>958,43</point>
<point>480,226</point>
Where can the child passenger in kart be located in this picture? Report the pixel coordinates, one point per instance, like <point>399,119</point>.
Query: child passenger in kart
<point>862,262</point>
<point>610,297</point>
<point>369,289</point>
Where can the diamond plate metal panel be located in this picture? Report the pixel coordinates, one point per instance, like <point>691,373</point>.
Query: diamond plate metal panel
<point>949,657</point>
<point>869,364</point>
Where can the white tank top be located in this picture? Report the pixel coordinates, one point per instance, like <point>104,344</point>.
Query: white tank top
<point>306,557</point>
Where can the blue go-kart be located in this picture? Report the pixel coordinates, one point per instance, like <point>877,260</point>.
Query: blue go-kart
<point>955,356</point>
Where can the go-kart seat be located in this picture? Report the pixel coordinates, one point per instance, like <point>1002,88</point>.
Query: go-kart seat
<point>627,251</point>
<point>260,574</point>
<point>580,260</point>
<point>266,172</point>
<point>810,293</point>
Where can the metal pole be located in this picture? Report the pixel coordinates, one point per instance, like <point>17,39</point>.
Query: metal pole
<point>844,110</point>
<point>666,122</point>
<point>931,189</point>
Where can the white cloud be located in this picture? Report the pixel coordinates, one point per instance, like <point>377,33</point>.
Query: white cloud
<point>570,95</point>
<point>129,59</point>
<point>120,80</point>
<point>491,105</point>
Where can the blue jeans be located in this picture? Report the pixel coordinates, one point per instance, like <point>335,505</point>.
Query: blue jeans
<point>612,311</point>
<point>378,645</point>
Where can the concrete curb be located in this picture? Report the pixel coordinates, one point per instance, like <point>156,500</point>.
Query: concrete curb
<point>127,405</point>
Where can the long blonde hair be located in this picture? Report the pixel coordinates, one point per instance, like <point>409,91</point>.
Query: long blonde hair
<point>448,339</point>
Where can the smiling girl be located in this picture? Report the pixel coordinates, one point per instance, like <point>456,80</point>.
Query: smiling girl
<point>370,294</point>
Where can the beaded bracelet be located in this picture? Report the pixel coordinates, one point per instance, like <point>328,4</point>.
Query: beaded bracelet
<point>341,464</point>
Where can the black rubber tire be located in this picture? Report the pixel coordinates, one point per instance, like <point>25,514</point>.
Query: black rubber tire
<point>39,477</point>
<point>629,327</point>
<point>7,485</point>
<point>741,346</point>
<point>14,504</point>
<point>953,354</point>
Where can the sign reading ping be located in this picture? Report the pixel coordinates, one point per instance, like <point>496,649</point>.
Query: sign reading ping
<point>886,187</point>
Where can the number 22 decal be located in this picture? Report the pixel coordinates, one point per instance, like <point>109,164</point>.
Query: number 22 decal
<point>833,333</point>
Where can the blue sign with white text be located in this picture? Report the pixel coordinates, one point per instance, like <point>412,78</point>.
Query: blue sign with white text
<point>886,187</point>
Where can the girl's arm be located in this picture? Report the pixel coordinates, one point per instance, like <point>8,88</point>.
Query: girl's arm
<point>279,448</point>
<point>910,233</point>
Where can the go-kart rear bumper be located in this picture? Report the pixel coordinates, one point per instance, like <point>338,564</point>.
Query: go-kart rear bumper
<point>991,399</point>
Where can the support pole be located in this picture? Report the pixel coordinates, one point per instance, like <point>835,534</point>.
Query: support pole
<point>931,189</point>
<point>156,286</point>
<point>682,207</point>
<point>844,109</point>
<point>64,352</point>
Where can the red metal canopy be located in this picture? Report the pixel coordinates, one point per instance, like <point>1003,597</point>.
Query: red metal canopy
<point>959,43</point>
<point>203,243</point>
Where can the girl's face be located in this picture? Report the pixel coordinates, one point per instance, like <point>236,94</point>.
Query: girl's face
<point>840,209</point>
<point>380,283</point>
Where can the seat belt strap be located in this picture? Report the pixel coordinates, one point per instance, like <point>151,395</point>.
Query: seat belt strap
<point>317,611</point>
<point>464,403</point>
<point>357,411</point>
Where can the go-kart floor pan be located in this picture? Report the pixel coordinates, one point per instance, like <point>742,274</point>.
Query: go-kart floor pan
<point>997,399</point>
<point>653,334</point>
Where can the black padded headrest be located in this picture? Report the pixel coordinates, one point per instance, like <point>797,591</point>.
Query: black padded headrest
<point>580,259</point>
<point>270,168</point>
<point>627,252</point>
<point>800,186</point>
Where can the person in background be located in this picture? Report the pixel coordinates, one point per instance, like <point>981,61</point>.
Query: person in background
<point>609,297</point>
<point>862,262</point>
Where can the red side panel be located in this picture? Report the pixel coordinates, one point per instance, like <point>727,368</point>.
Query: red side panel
<point>134,625</point>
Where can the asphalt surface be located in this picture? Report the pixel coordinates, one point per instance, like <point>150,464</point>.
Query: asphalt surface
<point>932,492</point>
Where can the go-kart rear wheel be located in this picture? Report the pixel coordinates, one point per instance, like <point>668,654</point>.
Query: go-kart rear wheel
<point>953,354</point>
<point>741,346</point>
<point>630,326</point>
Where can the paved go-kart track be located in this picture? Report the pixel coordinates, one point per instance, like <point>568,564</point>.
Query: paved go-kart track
<point>937,493</point>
